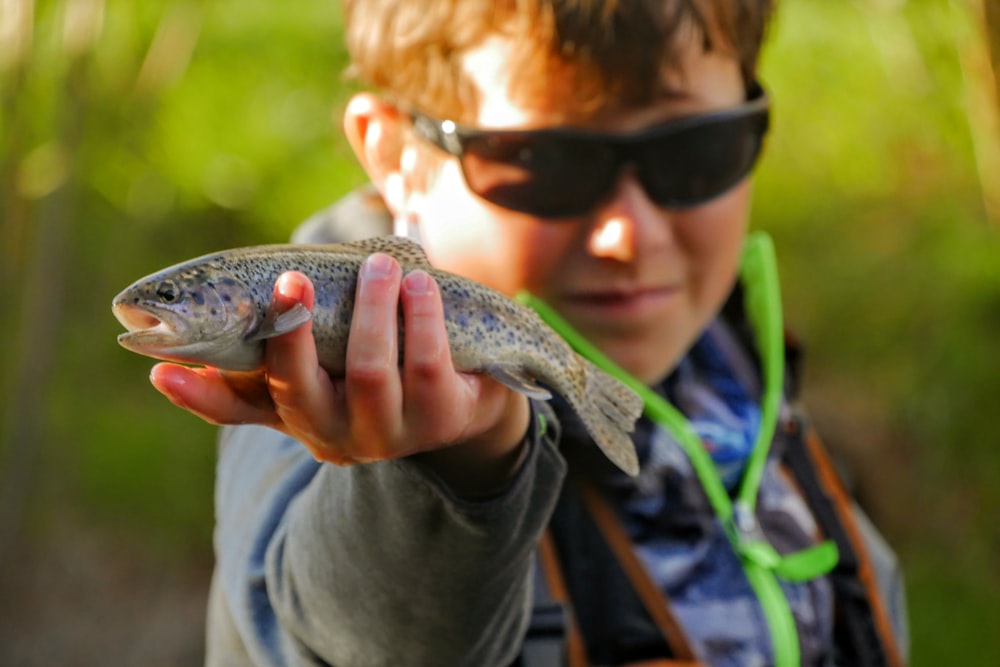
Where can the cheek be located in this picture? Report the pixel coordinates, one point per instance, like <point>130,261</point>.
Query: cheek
<point>713,237</point>
<point>450,219</point>
<point>465,235</point>
<point>505,253</point>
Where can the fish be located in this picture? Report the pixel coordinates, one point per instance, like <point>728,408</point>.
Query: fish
<point>214,310</point>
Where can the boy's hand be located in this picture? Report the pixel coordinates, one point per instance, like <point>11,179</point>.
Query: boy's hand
<point>379,410</point>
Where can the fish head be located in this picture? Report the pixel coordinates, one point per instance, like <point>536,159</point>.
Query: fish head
<point>191,314</point>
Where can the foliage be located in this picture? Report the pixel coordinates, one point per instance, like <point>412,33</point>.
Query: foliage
<point>133,135</point>
<point>892,277</point>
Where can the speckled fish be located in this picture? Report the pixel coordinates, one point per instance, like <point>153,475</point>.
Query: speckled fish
<point>214,310</point>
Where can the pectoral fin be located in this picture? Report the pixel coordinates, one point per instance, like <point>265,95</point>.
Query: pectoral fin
<point>277,324</point>
<point>514,377</point>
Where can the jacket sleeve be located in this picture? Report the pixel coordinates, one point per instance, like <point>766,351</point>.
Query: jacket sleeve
<point>371,564</point>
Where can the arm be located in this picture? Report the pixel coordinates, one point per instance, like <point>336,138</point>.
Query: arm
<point>430,580</point>
<point>383,562</point>
<point>381,409</point>
<point>372,564</point>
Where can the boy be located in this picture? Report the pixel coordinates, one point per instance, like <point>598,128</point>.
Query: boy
<point>595,155</point>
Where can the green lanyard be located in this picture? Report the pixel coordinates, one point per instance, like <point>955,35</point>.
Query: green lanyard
<point>762,564</point>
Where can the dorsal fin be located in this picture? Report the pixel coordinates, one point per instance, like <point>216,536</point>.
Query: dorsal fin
<point>407,252</point>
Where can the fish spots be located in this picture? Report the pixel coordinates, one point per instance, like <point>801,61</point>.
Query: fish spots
<point>490,321</point>
<point>231,292</point>
<point>461,293</point>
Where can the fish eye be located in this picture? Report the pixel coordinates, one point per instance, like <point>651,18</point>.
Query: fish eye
<point>167,291</point>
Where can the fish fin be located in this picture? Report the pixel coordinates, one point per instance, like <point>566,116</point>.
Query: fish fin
<point>609,411</point>
<point>408,252</point>
<point>277,324</point>
<point>514,377</point>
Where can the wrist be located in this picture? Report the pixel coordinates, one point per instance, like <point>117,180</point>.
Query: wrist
<point>482,465</point>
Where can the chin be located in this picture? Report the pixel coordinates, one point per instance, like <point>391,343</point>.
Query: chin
<point>647,363</point>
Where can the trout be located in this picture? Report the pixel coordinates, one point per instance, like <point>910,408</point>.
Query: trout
<point>214,311</point>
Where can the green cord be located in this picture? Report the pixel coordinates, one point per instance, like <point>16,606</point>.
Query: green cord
<point>761,562</point>
<point>655,408</point>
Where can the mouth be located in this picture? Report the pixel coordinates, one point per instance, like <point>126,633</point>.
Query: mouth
<point>624,295</point>
<point>144,329</point>
<point>626,302</point>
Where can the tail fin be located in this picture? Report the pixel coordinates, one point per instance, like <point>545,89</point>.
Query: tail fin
<point>609,410</point>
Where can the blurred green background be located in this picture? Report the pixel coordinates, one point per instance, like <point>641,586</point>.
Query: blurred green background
<point>135,135</point>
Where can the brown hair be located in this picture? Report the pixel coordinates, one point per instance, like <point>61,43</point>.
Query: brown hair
<point>609,52</point>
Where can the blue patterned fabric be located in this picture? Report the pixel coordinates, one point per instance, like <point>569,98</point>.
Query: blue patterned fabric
<point>718,405</point>
<point>674,528</point>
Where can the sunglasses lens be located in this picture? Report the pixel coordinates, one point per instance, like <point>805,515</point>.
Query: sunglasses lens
<point>700,163</point>
<point>548,176</point>
<point>558,174</point>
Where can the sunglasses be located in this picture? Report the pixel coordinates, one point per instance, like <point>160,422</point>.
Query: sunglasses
<point>563,172</point>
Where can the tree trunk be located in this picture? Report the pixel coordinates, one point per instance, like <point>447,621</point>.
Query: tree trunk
<point>980,60</point>
<point>991,16</point>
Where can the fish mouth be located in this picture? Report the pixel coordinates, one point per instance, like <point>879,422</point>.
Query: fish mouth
<point>144,329</point>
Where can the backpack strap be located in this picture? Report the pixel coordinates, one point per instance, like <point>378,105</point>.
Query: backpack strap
<point>863,631</point>
<point>552,639</point>
<point>653,599</point>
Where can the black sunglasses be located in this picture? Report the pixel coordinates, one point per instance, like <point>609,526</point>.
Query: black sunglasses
<point>561,173</point>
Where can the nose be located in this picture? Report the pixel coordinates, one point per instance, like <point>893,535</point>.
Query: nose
<point>627,222</point>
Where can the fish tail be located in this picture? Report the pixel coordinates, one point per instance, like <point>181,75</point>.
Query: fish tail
<point>609,410</point>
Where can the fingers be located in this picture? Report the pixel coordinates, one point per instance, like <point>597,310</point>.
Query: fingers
<point>379,409</point>
<point>207,393</point>
<point>301,390</point>
<point>437,401</point>
<point>372,384</point>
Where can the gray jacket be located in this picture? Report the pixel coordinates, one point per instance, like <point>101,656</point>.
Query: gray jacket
<point>376,564</point>
<point>381,564</point>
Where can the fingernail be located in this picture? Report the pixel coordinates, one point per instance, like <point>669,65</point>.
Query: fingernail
<point>289,288</point>
<point>418,282</point>
<point>168,386</point>
<point>378,265</point>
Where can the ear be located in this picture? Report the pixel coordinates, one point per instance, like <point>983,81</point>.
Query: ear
<point>374,130</point>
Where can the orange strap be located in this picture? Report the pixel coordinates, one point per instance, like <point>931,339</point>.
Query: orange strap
<point>833,485</point>
<point>649,593</point>
<point>576,651</point>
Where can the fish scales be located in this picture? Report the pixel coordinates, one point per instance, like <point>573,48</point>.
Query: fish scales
<point>214,310</point>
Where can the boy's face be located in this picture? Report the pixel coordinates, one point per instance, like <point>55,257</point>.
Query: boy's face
<point>638,280</point>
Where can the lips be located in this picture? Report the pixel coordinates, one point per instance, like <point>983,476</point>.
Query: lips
<point>609,296</point>
<point>135,318</point>
<point>623,293</point>
<point>144,329</point>
<point>620,302</point>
